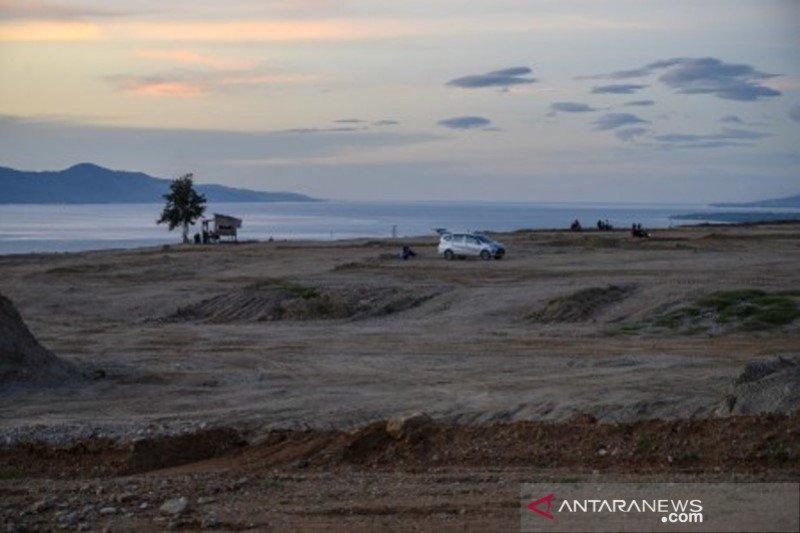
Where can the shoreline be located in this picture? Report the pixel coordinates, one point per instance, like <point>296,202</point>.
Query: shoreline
<point>399,240</point>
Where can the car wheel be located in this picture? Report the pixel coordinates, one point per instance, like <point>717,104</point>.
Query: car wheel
<point>486,255</point>
<point>448,254</point>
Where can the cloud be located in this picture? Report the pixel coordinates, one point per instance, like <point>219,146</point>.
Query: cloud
<point>723,80</point>
<point>571,107</point>
<point>336,129</point>
<point>44,10</point>
<point>23,139</point>
<point>732,119</point>
<point>640,103</point>
<point>620,88</point>
<point>712,144</point>
<point>386,123</point>
<point>640,72</point>
<point>350,121</point>
<point>191,83</point>
<point>499,78</point>
<point>217,31</point>
<point>465,123</point>
<point>612,121</point>
<point>794,113</point>
<point>630,134</point>
<point>706,75</point>
<point>725,134</point>
<point>47,31</point>
<point>725,138</point>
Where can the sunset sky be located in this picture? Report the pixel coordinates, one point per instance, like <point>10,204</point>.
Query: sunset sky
<point>544,100</point>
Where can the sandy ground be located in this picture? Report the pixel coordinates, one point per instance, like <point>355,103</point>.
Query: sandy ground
<point>188,337</point>
<point>465,354</point>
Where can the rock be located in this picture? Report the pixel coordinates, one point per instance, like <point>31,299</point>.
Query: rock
<point>408,426</point>
<point>764,386</point>
<point>143,506</point>
<point>108,510</point>
<point>70,519</point>
<point>203,500</point>
<point>174,506</point>
<point>209,522</point>
<point>602,452</point>
<point>41,506</point>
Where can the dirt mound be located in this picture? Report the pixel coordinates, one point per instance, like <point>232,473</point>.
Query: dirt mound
<point>282,300</point>
<point>581,305</point>
<point>655,444</point>
<point>163,452</point>
<point>22,358</point>
<point>766,386</point>
<point>746,442</point>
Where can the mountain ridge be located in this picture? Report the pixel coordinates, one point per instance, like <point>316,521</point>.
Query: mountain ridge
<point>786,201</point>
<point>89,183</point>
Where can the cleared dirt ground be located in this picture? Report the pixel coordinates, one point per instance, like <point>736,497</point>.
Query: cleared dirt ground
<point>571,345</point>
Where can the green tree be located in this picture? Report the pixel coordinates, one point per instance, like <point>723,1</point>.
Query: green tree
<point>184,205</point>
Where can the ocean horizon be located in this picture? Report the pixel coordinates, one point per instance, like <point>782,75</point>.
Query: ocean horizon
<point>42,228</point>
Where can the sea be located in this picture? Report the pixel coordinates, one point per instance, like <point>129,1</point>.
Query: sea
<point>69,228</point>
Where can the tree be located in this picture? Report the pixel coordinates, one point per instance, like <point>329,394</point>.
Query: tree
<point>184,205</point>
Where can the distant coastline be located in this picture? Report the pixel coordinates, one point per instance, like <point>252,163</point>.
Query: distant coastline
<point>785,202</point>
<point>87,183</point>
<point>747,217</point>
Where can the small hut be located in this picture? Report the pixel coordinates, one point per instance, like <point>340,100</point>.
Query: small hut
<point>221,226</point>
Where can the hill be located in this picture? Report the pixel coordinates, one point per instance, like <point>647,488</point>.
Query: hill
<point>87,183</point>
<point>788,201</point>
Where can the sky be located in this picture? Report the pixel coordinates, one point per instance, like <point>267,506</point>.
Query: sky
<point>655,101</point>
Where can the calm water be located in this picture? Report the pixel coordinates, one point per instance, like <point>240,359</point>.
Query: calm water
<point>61,228</point>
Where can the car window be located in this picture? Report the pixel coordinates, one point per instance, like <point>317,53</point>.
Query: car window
<point>447,238</point>
<point>458,239</point>
<point>483,239</point>
<point>471,240</point>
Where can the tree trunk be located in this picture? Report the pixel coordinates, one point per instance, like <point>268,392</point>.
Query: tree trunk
<point>185,233</point>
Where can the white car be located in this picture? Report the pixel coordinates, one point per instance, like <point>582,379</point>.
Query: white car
<point>453,245</point>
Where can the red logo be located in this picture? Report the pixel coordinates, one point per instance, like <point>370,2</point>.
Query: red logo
<point>548,499</point>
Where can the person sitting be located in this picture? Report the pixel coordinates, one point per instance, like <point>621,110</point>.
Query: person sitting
<point>408,253</point>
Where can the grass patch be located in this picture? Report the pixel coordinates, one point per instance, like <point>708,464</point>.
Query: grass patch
<point>737,310</point>
<point>301,291</point>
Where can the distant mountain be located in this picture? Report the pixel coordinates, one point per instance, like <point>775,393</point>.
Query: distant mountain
<point>789,201</point>
<point>739,217</point>
<point>87,183</point>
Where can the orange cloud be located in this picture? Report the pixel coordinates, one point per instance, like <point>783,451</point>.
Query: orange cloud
<point>268,30</point>
<point>50,31</point>
<point>193,58</point>
<point>164,88</point>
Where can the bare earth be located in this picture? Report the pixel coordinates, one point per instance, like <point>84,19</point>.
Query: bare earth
<point>284,356</point>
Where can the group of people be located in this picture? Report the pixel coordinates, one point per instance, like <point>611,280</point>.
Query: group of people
<point>604,225</point>
<point>638,232</point>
